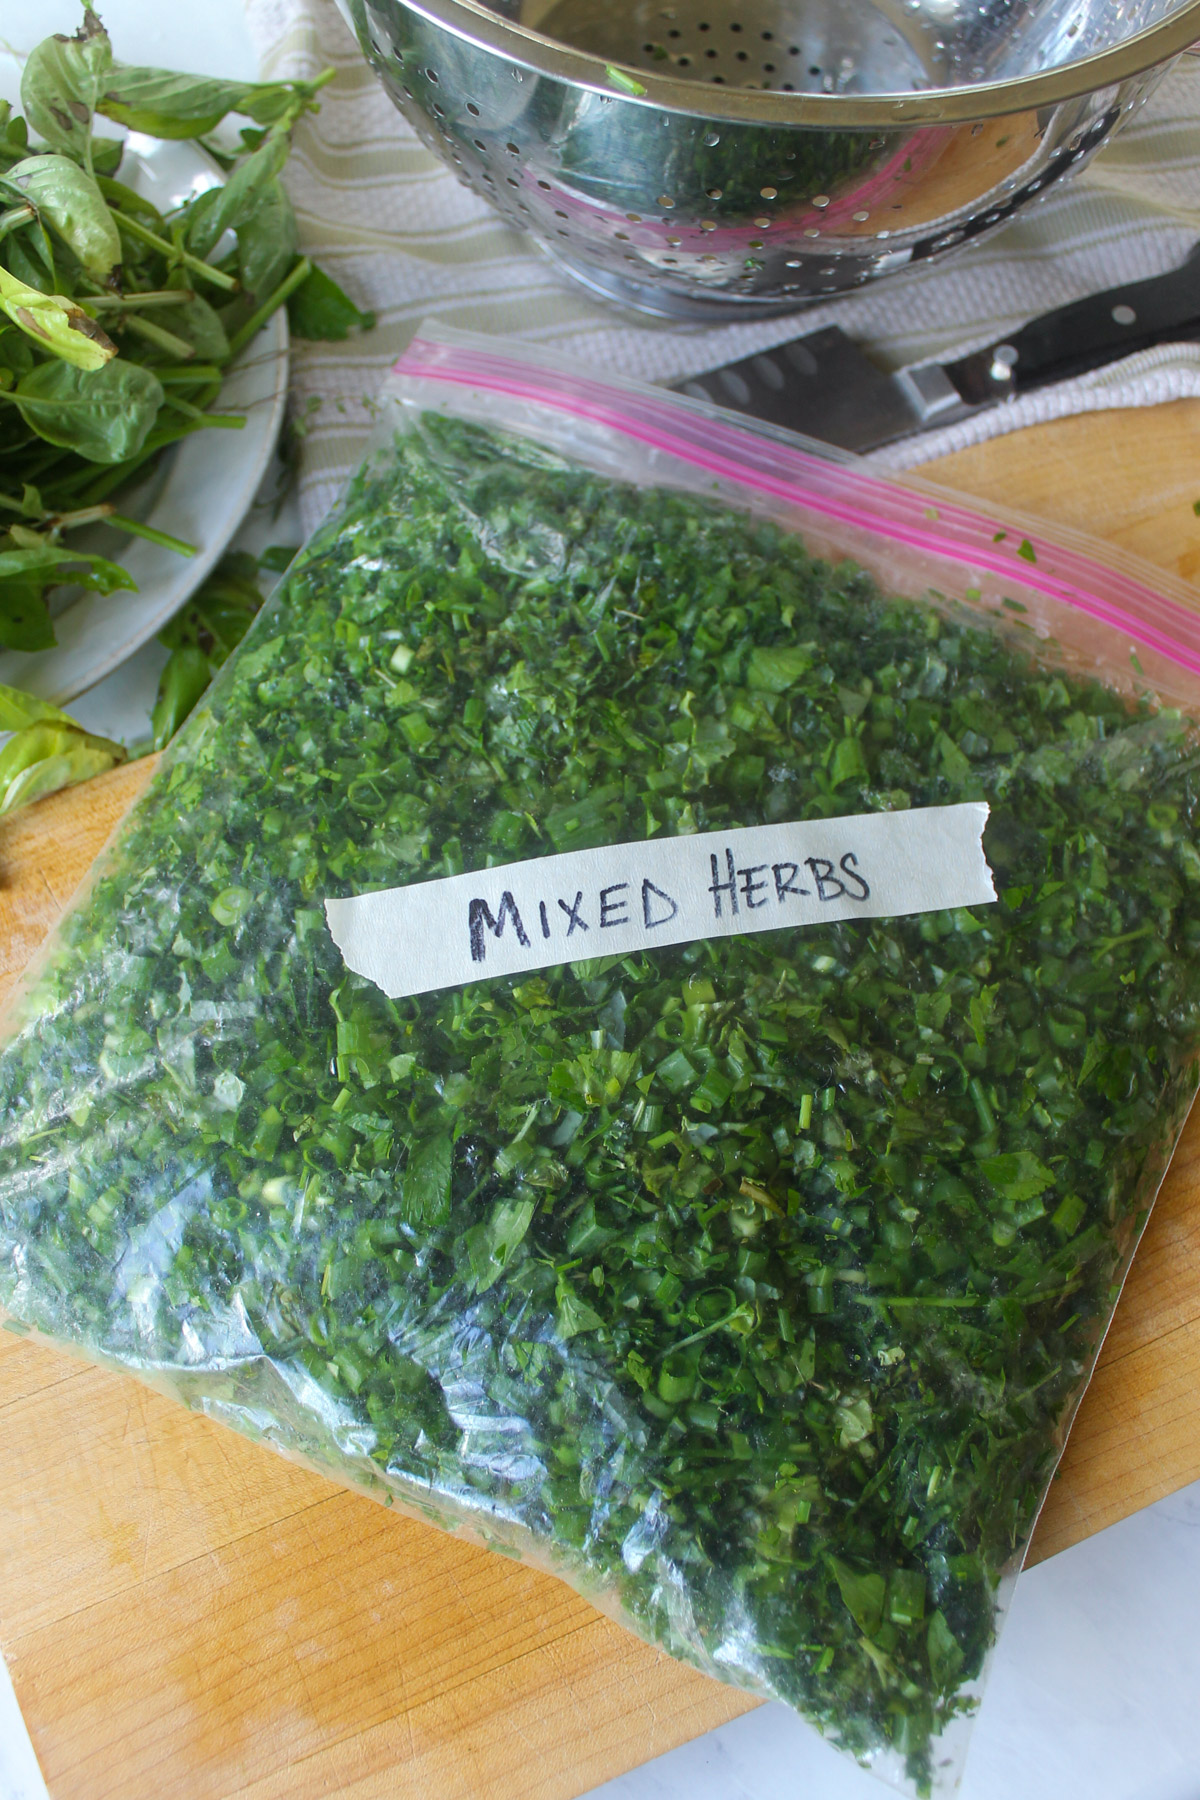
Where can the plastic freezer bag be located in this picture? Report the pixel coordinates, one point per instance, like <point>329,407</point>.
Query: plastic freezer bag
<point>746,1275</point>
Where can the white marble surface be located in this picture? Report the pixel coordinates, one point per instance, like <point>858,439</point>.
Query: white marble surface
<point>1095,1690</point>
<point>20,1777</point>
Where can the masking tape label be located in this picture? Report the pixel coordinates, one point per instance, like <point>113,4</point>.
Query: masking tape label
<point>618,898</point>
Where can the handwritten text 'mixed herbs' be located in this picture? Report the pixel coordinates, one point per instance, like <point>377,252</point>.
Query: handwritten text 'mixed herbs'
<point>755,886</point>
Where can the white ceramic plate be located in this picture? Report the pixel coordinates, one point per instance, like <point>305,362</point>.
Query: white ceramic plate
<point>210,481</point>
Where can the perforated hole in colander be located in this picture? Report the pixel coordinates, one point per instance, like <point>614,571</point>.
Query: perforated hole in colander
<point>814,46</point>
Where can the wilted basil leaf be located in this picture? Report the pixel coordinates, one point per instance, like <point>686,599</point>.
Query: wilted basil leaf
<point>43,758</point>
<point>69,198</point>
<point>55,324</point>
<point>60,84</point>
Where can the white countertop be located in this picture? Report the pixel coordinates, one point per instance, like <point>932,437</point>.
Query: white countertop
<point>1094,1693</point>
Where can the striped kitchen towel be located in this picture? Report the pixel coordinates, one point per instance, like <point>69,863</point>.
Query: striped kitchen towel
<point>406,239</point>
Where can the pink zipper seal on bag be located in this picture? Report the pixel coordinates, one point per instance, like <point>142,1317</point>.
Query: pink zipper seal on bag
<point>831,486</point>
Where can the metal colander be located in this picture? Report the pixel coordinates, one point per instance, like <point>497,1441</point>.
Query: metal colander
<point>708,159</point>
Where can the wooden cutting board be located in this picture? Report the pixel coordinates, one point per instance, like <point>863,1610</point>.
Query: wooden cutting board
<point>187,1616</point>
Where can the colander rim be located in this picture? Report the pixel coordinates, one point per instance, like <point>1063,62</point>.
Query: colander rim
<point>477,24</point>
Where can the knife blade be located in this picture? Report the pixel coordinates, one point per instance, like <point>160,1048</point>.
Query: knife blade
<point>826,385</point>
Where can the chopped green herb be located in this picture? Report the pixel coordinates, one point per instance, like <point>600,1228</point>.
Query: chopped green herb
<point>627,83</point>
<point>756,1278</point>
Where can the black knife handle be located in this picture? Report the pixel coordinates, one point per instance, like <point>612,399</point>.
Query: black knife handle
<point>1084,336</point>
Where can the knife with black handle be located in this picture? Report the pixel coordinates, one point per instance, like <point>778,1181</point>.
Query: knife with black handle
<point>826,386</point>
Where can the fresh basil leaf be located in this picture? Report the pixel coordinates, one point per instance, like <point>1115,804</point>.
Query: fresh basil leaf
<point>24,622</point>
<point>272,103</point>
<point>198,322</point>
<point>278,557</point>
<point>27,576</point>
<point>92,571</point>
<point>14,135</point>
<point>69,198</point>
<point>105,414</point>
<point>218,615</point>
<point>166,104</point>
<point>29,257</point>
<point>107,154</point>
<point>320,309</point>
<point>127,200</point>
<point>16,353</point>
<point>201,636</point>
<point>31,560</point>
<point>267,241</point>
<point>225,208</point>
<point>180,686</point>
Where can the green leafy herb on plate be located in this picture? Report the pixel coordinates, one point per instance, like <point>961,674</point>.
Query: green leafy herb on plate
<point>117,323</point>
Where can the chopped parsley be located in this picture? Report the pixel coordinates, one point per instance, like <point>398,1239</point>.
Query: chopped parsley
<point>754,1281</point>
